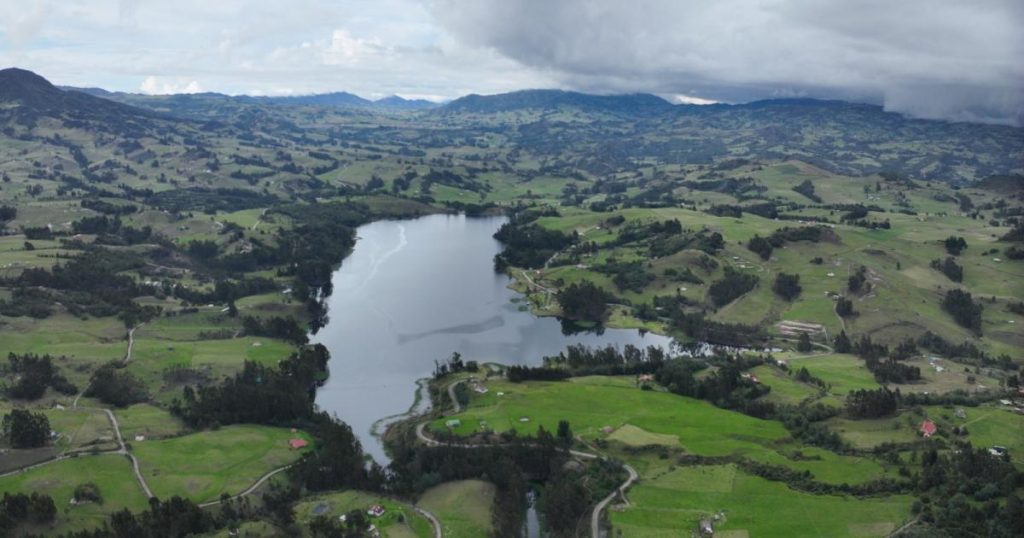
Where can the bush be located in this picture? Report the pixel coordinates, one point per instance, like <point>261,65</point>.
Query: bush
<point>88,492</point>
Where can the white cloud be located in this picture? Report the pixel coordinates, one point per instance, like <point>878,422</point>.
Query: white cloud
<point>154,85</point>
<point>936,58</point>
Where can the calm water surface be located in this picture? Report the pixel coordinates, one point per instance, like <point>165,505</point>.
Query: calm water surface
<point>414,291</point>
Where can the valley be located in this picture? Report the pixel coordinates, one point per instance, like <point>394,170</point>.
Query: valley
<point>240,288</point>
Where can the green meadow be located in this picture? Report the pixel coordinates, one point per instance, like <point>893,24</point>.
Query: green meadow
<point>201,466</point>
<point>673,501</point>
<point>463,507</point>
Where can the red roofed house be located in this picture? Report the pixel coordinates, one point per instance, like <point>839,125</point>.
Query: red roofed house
<point>928,428</point>
<point>296,444</point>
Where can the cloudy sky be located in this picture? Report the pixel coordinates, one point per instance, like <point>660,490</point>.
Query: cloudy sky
<point>933,58</point>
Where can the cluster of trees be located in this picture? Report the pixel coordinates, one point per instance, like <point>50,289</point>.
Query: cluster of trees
<point>111,231</point>
<point>258,394</point>
<point>787,286</point>
<point>844,307</point>
<point>883,363</point>
<point>954,245</point>
<point>35,373</point>
<point>25,429</point>
<point>731,286</point>
<point>584,301</point>
<point>276,327</point>
<point>872,403</point>
<point>806,188</point>
<point>627,275</point>
<point>763,246</point>
<point>20,509</point>
<point>113,386</point>
<point>699,327</point>
<point>172,517</point>
<point>454,365</point>
<point>579,360</point>
<point>965,311</point>
<point>518,374</point>
<point>528,245</point>
<point>950,268</point>
<point>967,492</point>
<point>726,387</point>
<point>858,281</point>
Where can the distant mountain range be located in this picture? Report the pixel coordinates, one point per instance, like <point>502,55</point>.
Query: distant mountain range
<point>601,133</point>
<point>333,99</point>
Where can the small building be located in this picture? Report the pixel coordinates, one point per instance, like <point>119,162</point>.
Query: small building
<point>376,510</point>
<point>645,378</point>
<point>453,423</point>
<point>960,413</point>
<point>296,443</point>
<point>705,528</point>
<point>997,451</point>
<point>928,428</point>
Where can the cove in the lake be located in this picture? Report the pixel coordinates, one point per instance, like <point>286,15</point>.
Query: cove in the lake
<point>411,293</point>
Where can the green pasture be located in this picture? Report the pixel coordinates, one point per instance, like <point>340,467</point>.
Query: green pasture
<point>201,466</point>
<point>463,507</point>
<point>674,502</point>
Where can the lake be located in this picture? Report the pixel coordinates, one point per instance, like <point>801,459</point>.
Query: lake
<point>412,292</point>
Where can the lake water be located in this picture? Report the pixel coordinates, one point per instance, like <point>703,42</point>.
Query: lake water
<point>414,291</point>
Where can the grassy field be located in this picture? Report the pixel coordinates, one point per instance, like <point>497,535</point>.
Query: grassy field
<point>201,466</point>
<point>636,417</point>
<point>148,421</point>
<point>842,372</point>
<point>111,473</point>
<point>399,519</point>
<point>672,502</point>
<point>464,507</point>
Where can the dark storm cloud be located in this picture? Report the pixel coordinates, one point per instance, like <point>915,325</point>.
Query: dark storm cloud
<point>929,58</point>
